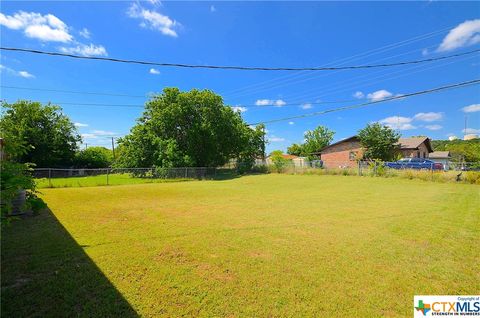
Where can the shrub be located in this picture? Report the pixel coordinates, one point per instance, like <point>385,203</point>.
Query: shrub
<point>94,157</point>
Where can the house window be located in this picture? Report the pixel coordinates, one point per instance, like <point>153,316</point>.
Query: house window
<point>352,155</point>
<point>418,154</point>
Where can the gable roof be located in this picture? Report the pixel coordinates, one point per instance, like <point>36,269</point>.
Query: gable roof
<point>352,138</point>
<point>439,155</point>
<point>414,143</point>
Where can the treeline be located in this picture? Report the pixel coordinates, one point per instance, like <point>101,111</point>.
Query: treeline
<point>176,129</point>
<point>461,150</point>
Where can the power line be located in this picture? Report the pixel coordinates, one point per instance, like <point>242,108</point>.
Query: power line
<point>72,92</point>
<point>242,68</point>
<point>428,91</point>
<point>142,106</point>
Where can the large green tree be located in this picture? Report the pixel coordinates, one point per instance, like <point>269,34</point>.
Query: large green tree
<point>316,139</point>
<point>380,142</point>
<point>190,128</point>
<point>94,157</point>
<point>296,150</point>
<point>49,135</point>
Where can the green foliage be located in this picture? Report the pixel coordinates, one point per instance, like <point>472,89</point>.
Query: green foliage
<point>379,142</point>
<point>15,177</point>
<point>316,139</point>
<point>49,137</point>
<point>94,157</point>
<point>190,128</point>
<point>279,162</point>
<point>461,150</point>
<point>296,150</point>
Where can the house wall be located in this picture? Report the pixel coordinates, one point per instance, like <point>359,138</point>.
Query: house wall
<point>339,155</point>
<point>421,152</point>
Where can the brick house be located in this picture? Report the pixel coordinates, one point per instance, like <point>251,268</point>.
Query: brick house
<point>346,152</point>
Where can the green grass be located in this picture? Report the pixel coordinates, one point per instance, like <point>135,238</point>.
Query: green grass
<point>100,180</point>
<point>256,246</point>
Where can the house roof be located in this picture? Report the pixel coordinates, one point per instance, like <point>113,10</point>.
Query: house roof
<point>414,143</point>
<point>405,143</point>
<point>439,155</point>
<point>353,138</point>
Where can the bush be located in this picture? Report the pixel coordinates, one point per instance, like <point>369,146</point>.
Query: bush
<point>472,177</point>
<point>94,157</point>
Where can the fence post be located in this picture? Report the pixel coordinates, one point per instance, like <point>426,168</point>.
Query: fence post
<point>186,172</point>
<point>50,177</point>
<point>108,170</point>
<point>359,168</point>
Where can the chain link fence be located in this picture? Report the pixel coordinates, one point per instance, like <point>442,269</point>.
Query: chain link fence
<point>54,177</point>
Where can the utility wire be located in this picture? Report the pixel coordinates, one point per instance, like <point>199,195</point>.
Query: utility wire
<point>72,92</point>
<point>136,105</point>
<point>242,68</point>
<point>141,106</point>
<point>428,91</point>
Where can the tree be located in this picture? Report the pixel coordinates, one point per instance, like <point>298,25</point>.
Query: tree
<point>296,150</point>
<point>94,157</point>
<point>279,162</point>
<point>50,138</point>
<point>379,142</point>
<point>315,140</point>
<point>190,128</point>
<point>16,177</point>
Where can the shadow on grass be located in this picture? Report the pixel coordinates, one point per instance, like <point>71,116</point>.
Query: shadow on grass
<point>45,273</point>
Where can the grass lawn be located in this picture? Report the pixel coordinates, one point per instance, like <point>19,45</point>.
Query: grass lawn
<point>100,180</point>
<point>265,245</point>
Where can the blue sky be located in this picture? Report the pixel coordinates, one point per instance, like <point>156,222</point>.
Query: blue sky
<point>270,34</point>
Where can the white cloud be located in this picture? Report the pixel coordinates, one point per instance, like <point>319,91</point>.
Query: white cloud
<point>431,116</point>
<point>471,131</point>
<point>153,20</point>
<point>270,102</point>
<point>306,106</point>
<point>49,28</point>
<point>398,122</point>
<point>85,50</point>
<point>11,71</point>
<point>291,123</point>
<point>359,94</point>
<point>465,34</point>
<point>80,125</point>
<point>239,109</point>
<point>155,2</point>
<point>89,136</point>
<point>46,28</point>
<point>433,127</point>
<point>104,133</point>
<point>379,95</point>
<point>275,139</point>
<point>85,33</point>
<point>154,71</point>
<point>212,8</point>
<point>25,74</point>
<point>472,108</point>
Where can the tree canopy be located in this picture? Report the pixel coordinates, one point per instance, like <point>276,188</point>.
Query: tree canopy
<point>49,137</point>
<point>190,128</point>
<point>315,140</point>
<point>380,142</point>
<point>94,157</point>
<point>461,150</point>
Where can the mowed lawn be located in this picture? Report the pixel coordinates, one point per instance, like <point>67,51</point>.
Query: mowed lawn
<point>255,246</point>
